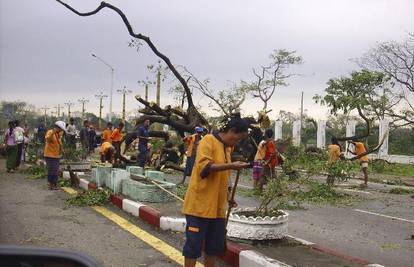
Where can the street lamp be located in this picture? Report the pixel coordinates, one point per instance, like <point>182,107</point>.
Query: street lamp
<point>112,83</point>
<point>124,92</point>
<point>45,110</point>
<point>100,96</point>
<point>83,101</point>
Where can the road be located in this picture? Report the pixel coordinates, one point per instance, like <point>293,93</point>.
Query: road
<point>32,215</point>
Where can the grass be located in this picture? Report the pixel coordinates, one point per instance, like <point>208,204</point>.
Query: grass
<point>383,167</point>
<point>36,172</point>
<point>181,189</point>
<point>400,191</point>
<point>89,198</point>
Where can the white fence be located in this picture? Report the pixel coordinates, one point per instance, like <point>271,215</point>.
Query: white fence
<point>350,131</point>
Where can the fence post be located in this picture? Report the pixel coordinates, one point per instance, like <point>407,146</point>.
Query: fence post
<point>296,133</point>
<point>278,129</point>
<point>383,129</point>
<point>350,131</point>
<point>320,134</point>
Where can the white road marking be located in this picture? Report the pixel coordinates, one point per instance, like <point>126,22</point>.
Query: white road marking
<point>357,191</point>
<point>386,216</point>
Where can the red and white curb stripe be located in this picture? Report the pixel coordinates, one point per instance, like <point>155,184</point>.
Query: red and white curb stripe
<point>236,255</point>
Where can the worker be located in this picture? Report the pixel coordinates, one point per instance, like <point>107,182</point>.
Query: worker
<point>206,200</point>
<point>116,138</point>
<point>270,160</point>
<point>143,135</point>
<point>192,142</point>
<point>107,152</point>
<point>334,154</point>
<point>106,134</point>
<point>53,152</point>
<point>360,150</point>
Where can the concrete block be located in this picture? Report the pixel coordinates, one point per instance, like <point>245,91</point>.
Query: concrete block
<point>147,192</point>
<point>131,207</point>
<point>136,170</point>
<point>173,224</point>
<point>66,174</point>
<point>83,184</point>
<point>250,258</point>
<point>116,178</point>
<point>155,175</point>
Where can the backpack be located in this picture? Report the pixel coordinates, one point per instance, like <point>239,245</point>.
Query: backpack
<point>18,136</point>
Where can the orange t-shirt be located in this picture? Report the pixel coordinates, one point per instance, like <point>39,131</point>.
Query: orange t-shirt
<point>104,147</point>
<point>116,135</point>
<point>334,153</point>
<point>106,135</point>
<point>53,144</point>
<point>271,152</point>
<point>359,149</point>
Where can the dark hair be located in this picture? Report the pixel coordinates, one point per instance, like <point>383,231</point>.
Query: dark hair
<point>11,126</point>
<point>71,120</point>
<point>334,141</point>
<point>121,124</point>
<point>16,123</point>
<point>235,122</point>
<point>85,122</point>
<point>109,123</point>
<point>269,133</point>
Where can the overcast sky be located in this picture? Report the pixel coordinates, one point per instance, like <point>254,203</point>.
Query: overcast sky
<point>45,50</point>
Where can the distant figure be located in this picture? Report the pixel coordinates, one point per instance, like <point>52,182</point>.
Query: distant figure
<point>258,166</point>
<point>143,135</point>
<point>41,132</point>
<point>359,150</point>
<point>107,152</point>
<point>84,135</point>
<point>270,160</point>
<point>116,137</point>
<point>92,139</point>
<point>192,144</point>
<point>19,139</point>
<point>334,154</point>
<point>53,152</point>
<point>11,148</point>
<point>71,133</point>
<point>106,134</point>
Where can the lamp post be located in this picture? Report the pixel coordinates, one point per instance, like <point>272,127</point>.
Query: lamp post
<point>83,101</point>
<point>112,83</point>
<point>100,96</point>
<point>58,110</point>
<point>69,104</point>
<point>45,110</point>
<point>124,92</point>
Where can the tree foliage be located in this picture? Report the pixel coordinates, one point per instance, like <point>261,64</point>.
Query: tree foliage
<point>273,75</point>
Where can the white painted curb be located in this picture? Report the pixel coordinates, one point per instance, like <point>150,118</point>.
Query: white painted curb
<point>173,224</point>
<point>83,184</point>
<point>131,207</point>
<point>250,258</point>
<point>374,265</point>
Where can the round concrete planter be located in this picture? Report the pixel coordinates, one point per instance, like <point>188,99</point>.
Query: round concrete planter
<point>257,228</point>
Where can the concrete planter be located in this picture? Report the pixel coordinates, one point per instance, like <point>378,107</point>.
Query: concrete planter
<point>257,228</point>
<point>144,192</point>
<point>78,166</point>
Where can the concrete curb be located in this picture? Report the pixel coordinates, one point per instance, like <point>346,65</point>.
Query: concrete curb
<point>236,255</point>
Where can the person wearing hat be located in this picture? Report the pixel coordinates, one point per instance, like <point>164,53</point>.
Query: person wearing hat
<point>192,143</point>
<point>53,152</point>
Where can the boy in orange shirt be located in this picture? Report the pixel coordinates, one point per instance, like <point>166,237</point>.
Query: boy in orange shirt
<point>106,134</point>
<point>359,150</point>
<point>53,152</point>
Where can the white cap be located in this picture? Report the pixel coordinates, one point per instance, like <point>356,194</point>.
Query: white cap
<point>61,125</point>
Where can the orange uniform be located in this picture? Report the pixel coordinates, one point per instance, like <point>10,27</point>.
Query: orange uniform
<point>359,149</point>
<point>334,153</point>
<point>53,146</point>
<point>116,135</point>
<point>106,135</point>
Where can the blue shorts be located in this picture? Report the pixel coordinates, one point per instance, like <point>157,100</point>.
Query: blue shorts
<point>199,231</point>
<point>189,165</point>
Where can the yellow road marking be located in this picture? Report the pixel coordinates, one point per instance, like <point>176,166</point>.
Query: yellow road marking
<point>151,240</point>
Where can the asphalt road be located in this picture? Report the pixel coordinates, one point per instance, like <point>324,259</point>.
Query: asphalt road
<point>32,215</point>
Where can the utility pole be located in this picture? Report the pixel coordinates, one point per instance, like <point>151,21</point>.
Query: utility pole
<point>45,109</point>
<point>100,96</point>
<point>112,83</point>
<point>83,101</point>
<point>58,110</point>
<point>158,87</point>
<point>69,104</point>
<point>301,116</point>
<point>124,92</point>
<point>146,92</point>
